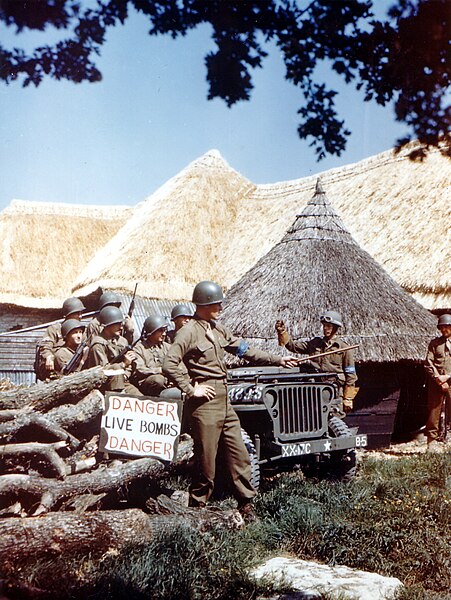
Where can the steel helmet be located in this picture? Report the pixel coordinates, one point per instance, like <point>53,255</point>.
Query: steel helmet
<point>110,315</point>
<point>332,317</point>
<point>444,320</point>
<point>109,299</point>
<point>181,310</point>
<point>72,305</point>
<point>70,325</point>
<point>207,292</point>
<point>153,323</point>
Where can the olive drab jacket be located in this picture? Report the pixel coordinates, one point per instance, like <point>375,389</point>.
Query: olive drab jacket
<point>438,358</point>
<point>149,359</point>
<point>103,351</point>
<point>51,341</point>
<point>200,346</point>
<point>342,364</point>
<point>64,355</point>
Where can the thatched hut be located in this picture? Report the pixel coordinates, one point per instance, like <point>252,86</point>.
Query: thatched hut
<point>209,222</point>
<point>176,237</point>
<point>318,266</point>
<point>44,246</point>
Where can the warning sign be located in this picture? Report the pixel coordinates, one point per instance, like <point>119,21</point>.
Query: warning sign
<point>140,426</point>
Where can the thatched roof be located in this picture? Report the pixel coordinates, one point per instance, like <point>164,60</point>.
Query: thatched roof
<point>44,246</point>
<point>177,237</point>
<point>209,222</point>
<point>319,266</point>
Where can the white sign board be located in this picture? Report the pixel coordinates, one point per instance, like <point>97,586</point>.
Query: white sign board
<point>140,426</point>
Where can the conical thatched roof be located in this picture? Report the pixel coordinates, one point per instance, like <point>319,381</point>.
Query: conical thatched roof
<point>44,246</point>
<point>209,222</point>
<point>318,266</point>
<point>180,235</point>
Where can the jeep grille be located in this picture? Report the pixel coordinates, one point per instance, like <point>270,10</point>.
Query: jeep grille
<point>298,410</point>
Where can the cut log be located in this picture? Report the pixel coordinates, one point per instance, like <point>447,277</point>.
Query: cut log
<point>105,479</point>
<point>73,415</point>
<point>42,422</point>
<point>44,396</point>
<point>69,533</point>
<point>47,452</point>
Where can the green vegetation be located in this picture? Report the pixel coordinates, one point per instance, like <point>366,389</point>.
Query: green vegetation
<point>394,518</point>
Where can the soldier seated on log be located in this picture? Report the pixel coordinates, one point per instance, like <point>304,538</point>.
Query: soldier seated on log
<point>95,326</point>
<point>44,365</point>
<point>72,331</point>
<point>111,349</point>
<point>341,362</point>
<point>150,351</point>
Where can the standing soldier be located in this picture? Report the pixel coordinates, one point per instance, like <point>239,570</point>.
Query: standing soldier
<point>195,362</point>
<point>112,349</point>
<point>53,339</point>
<point>72,331</point>
<point>95,327</point>
<point>148,375</point>
<point>180,315</point>
<point>438,368</point>
<point>340,363</point>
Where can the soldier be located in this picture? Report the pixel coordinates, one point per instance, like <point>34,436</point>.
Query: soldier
<point>53,339</point>
<point>195,363</point>
<point>438,368</point>
<point>72,331</point>
<point>95,327</point>
<point>107,347</point>
<point>180,315</point>
<point>147,375</point>
<point>341,363</point>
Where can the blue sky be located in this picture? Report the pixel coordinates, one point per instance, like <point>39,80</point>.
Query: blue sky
<point>117,141</point>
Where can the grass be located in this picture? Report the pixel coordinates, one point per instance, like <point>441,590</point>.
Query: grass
<point>394,519</point>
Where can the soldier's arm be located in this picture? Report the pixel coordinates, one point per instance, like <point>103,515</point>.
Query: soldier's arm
<point>174,368</point>
<point>240,348</point>
<point>349,368</point>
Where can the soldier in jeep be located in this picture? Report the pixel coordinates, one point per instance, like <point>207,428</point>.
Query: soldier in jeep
<point>341,363</point>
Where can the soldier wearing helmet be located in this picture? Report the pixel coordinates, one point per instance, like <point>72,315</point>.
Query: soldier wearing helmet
<point>53,339</point>
<point>341,363</point>
<point>438,369</point>
<point>195,362</point>
<point>180,315</point>
<point>106,348</point>
<point>95,327</point>
<point>72,331</point>
<point>150,351</point>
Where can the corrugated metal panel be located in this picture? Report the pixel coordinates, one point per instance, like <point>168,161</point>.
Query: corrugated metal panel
<point>145,307</point>
<point>19,377</point>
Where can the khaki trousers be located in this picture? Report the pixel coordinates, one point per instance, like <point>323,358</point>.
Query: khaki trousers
<point>435,400</point>
<point>215,422</point>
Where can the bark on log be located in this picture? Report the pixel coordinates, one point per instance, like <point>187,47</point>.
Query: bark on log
<point>72,415</point>
<point>48,452</point>
<point>105,479</point>
<point>68,533</point>
<point>44,396</point>
<point>42,422</point>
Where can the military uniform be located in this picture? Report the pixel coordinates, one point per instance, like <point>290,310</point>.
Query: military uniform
<point>438,362</point>
<point>51,341</point>
<point>200,347</point>
<point>102,352</point>
<point>148,375</point>
<point>95,328</point>
<point>63,356</point>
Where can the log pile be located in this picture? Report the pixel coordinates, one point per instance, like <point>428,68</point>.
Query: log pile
<point>56,489</point>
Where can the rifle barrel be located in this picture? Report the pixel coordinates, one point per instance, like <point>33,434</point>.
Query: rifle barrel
<point>340,350</point>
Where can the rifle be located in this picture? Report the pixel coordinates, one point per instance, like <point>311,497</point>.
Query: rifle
<point>123,352</point>
<point>132,303</point>
<point>43,325</point>
<point>71,366</point>
<point>313,356</point>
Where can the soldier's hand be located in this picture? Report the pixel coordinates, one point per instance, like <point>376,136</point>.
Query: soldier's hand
<point>280,326</point>
<point>289,361</point>
<point>202,390</point>
<point>129,357</point>
<point>50,363</point>
<point>348,405</point>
